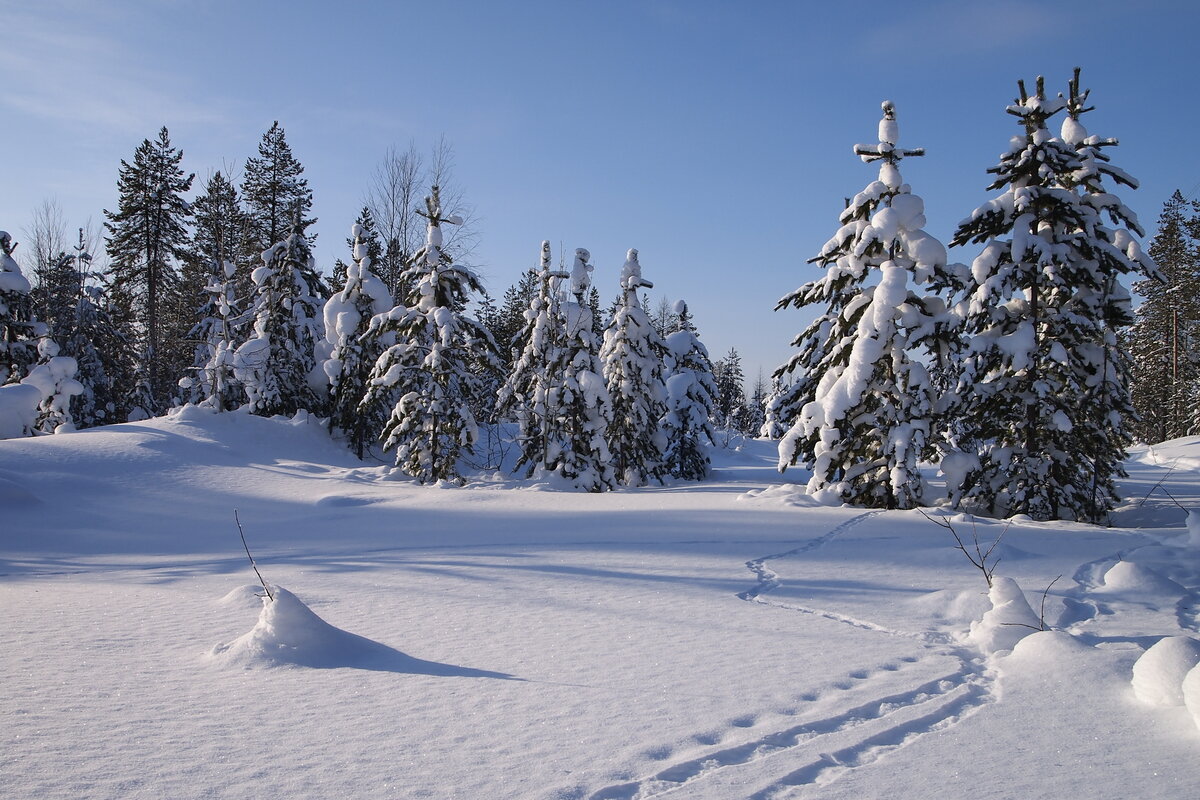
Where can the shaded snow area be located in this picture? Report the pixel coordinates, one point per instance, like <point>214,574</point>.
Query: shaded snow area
<point>729,639</point>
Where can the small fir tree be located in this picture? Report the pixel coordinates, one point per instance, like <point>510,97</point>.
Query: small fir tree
<point>432,423</point>
<point>274,365</point>
<point>691,392</point>
<point>19,331</point>
<point>632,355</point>
<point>533,391</point>
<point>352,351</point>
<point>585,407</point>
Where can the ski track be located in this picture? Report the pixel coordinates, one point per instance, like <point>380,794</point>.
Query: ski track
<point>828,747</point>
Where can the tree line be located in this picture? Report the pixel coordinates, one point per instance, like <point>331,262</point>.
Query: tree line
<point>218,302</point>
<point>1024,375</point>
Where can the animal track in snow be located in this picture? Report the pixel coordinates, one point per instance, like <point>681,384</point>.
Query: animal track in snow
<point>872,728</point>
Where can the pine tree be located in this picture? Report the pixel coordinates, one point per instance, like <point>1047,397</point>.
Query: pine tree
<point>147,237</point>
<point>432,422</point>
<point>870,411</point>
<point>275,364</point>
<point>275,194</point>
<point>585,407</point>
<point>19,331</point>
<point>1166,332</point>
<point>1038,314</point>
<point>691,392</point>
<point>632,355</point>
<point>533,390</point>
<point>352,352</point>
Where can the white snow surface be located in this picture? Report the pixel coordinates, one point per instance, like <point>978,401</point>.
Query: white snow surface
<point>725,639</point>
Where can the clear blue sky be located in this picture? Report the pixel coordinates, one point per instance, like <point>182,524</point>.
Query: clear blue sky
<point>713,136</point>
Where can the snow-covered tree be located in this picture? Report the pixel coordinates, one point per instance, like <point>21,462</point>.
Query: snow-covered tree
<point>632,355</point>
<point>532,393</point>
<point>276,363</point>
<point>19,331</point>
<point>691,392</point>
<point>1102,426</point>
<point>868,402</point>
<point>432,422</point>
<point>1038,313</point>
<point>585,407</point>
<point>147,238</point>
<point>352,352</point>
<point>214,289</point>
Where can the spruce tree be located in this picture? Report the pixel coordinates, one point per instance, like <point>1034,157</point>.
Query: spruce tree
<point>352,352</point>
<point>532,393</point>
<point>147,238</point>
<point>730,412</point>
<point>275,364</point>
<point>432,422</point>
<point>585,407</point>
<point>1165,336</point>
<point>275,194</point>
<point>691,393</point>
<point>219,246</point>
<point>1103,427</point>
<point>1037,315</point>
<point>19,331</point>
<point>632,355</point>
<point>869,414</point>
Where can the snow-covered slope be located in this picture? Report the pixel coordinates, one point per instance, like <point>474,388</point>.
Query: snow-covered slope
<point>506,640</point>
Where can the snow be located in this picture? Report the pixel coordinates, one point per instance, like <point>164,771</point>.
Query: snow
<point>509,639</point>
<point>1158,675</point>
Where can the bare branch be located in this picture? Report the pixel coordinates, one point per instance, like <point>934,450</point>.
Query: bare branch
<point>252,564</point>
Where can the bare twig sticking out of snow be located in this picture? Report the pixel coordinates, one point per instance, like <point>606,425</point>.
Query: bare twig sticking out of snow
<point>1041,626</point>
<point>1159,485</point>
<point>252,564</point>
<point>980,558</point>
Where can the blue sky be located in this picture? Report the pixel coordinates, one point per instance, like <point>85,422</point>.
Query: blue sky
<point>713,136</point>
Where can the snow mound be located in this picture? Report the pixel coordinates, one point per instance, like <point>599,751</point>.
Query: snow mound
<point>289,633</point>
<point>1158,675</point>
<point>1045,651</point>
<point>959,607</point>
<point>1126,577</point>
<point>1191,693</point>
<point>1009,621</point>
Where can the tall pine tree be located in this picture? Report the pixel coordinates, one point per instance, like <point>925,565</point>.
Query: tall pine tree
<point>147,238</point>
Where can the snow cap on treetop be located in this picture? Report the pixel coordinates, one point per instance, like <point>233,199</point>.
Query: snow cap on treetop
<point>581,272</point>
<point>889,129</point>
<point>680,307</point>
<point>631,270</point>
